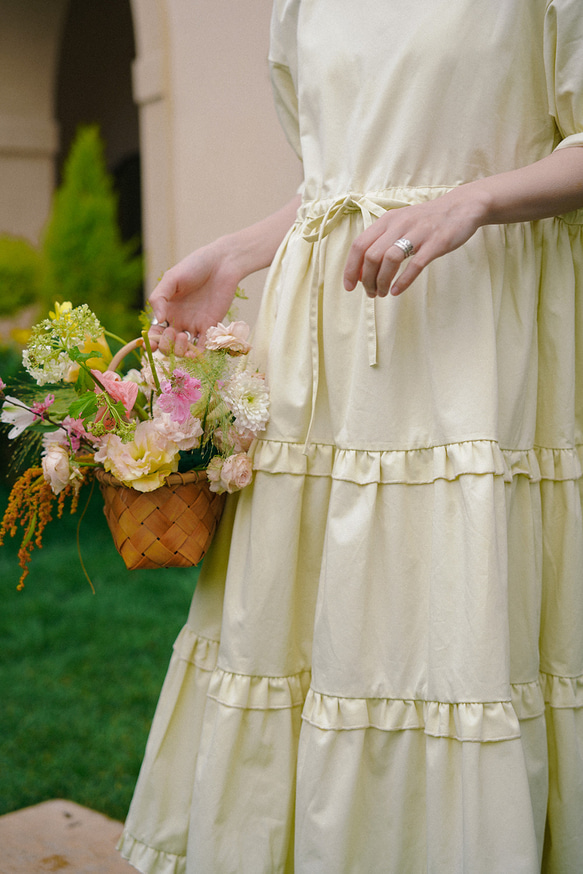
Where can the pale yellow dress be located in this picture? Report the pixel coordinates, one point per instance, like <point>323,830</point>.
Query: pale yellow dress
<point>382,670</point>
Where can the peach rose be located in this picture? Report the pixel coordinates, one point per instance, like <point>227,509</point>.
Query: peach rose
<point>232,337</point>
<point>236,472</point>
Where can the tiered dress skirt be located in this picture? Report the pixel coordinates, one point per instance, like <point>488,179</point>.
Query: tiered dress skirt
<point>382,669</point>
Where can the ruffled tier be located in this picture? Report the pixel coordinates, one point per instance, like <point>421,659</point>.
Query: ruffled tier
<point>146,858</point>
<point>236,744</point>
<point>472,721</point>
<point>562,693</point>
<point>418,466</point>
<point>236,709</point>
<point>464,722</point>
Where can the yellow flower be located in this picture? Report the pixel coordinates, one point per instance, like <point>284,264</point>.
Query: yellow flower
<point>61,309</point>
<point>144,463</point>
<point>99,345</point>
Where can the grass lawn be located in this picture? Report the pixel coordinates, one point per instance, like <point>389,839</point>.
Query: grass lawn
<point>80,673</point>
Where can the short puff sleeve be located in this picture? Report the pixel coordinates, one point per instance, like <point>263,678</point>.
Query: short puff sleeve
<point>283,68</point>
<point>563,58</point>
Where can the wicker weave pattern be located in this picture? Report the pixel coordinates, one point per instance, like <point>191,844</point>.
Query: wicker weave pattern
<point>171,526</point>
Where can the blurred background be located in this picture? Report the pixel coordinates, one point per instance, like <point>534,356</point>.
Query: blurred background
<point>131,132</point>
<point>180,92</point>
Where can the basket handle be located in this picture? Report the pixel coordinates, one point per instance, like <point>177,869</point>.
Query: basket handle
<point>125,350</point>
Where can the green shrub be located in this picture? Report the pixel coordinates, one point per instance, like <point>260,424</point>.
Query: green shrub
<point>20,275</point>
<point>86,260</point>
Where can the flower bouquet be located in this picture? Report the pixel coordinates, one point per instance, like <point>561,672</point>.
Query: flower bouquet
<point>166,439</point>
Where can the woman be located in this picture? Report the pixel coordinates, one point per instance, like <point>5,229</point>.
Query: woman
<point>382,670</point>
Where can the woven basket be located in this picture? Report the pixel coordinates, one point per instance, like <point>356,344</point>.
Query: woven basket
<point>171,526</point>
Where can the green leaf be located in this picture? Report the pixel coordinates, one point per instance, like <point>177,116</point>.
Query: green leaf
<point>84,406</point>
<point>75,354</point>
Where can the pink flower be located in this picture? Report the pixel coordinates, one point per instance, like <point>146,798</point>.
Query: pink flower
<point>117,388</point>
<point>178,394</point>
<point>39,408</point>
<point>2,385</point>
<point>232,337</point>
<point>76,432</point>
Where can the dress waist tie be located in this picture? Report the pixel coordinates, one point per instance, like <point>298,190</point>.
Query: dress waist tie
<point>315,229</point>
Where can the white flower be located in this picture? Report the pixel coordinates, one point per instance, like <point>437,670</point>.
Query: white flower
<point>46,364</point>
<point>134,375</point>
<point>14,414</point>
<point>46,357</point>
<point>56,467</point>
<point>213,473</point>
<point>186,435</point>
<point>247,396</point>
<point>51,437</point>
<point>72,327</point>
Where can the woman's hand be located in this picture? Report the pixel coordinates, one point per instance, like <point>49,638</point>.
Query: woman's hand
<point>193,295</point>
<point>434,228</point>
<point>549,187</point>
<point>198,291</point>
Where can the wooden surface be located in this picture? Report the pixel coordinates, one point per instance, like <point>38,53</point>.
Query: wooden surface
<point>60,836</point>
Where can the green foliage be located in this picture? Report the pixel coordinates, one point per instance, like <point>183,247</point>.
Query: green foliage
<point>85,257</point>
<point>20,275</point>
<point>80,674</point>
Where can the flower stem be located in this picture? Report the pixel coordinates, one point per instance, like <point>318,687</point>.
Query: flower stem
<point>151,360</point>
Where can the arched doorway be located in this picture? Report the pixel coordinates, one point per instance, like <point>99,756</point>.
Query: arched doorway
<point>94,85</point>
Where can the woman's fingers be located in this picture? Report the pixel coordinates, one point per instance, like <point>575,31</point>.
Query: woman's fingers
<point>357,253</point>
<point>432,229</point>
<point>381,268</point>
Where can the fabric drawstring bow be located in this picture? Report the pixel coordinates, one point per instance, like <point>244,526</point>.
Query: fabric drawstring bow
<point>315,229</point>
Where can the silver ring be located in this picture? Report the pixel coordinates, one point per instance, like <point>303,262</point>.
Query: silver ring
<point>406,246</point>
<point>189,336</point>
<point>156,324</point>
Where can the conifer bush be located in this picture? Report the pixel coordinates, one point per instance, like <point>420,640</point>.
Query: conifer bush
<point>85,258</point>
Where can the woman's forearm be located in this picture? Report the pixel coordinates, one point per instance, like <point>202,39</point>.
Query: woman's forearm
<point>549,187</point>
<point>254,247</point>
